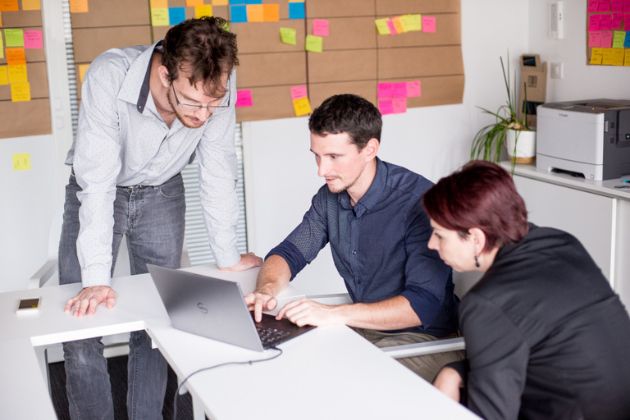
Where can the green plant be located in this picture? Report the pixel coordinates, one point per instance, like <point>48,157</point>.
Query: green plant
<point>489,140</point>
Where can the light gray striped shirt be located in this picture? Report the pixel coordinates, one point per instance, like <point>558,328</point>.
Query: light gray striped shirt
<point>122,140</point>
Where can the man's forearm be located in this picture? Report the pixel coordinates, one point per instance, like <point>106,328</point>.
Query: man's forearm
<point>274,276</point>
<point>389,314</point>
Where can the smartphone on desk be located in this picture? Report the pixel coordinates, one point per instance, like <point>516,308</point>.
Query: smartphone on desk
<point>28,306</point>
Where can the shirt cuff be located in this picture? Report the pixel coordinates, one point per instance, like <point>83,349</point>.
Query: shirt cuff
<point>424,304</point>
<point>291,254</point>
<point>96,275</point>
<point>228,259</point>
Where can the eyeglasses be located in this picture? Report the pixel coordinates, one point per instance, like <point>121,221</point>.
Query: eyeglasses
<point>197,107</point>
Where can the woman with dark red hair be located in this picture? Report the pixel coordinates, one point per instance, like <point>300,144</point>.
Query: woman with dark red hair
<point>546,337</point>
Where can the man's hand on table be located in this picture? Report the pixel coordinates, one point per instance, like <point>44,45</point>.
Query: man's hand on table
<point>89,298</point>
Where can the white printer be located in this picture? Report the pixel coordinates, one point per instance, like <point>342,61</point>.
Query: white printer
<point>588,138</point>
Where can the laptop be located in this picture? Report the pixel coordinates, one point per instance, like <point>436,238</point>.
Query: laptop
<point>215,308</point>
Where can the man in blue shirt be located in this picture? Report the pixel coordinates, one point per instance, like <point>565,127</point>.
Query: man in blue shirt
<point>370,213</point>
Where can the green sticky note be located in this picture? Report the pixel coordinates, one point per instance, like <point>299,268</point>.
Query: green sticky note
<point>15,37</point>
<point>314,43</point>
<point>382,27</point>
<point>412,22</point>
<point>288,36</point>
<point>618,39</point>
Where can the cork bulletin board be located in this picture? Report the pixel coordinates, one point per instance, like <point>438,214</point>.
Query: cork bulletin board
<point>608,29</point>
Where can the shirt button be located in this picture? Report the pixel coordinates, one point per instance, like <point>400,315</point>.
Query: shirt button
<point>354,252</point>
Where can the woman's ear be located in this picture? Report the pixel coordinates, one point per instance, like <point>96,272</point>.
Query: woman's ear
<point>478,238</point>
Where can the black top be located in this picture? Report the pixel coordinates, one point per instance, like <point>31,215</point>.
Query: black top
<point>546,337</point>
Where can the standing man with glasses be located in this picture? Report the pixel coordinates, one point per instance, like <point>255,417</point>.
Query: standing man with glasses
<point>145,113</point>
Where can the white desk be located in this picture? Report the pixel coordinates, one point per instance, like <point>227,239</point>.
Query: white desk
<point>326,373</point>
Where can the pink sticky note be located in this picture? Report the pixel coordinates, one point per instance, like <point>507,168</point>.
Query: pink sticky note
<point>414,89</point>
<point>606,40</point>
<point>593,23</point>
<point>594,39</point>
<point>399,105</point>
<point>604,6</point>
<point>392,27</point>
<point>429,24</point>
<point>385,106</point>
<point>33,39</point>
<point>605,23</point>
<point>626,20</point>
<point>399,90</point>
<point>321,27</point>
<point>244,98</point>
<point>593,5</point>
<point>384,90</point>
<point>298,91</point>
<point>617,5</point>
<point>617,21</point>
<point>626,6</point>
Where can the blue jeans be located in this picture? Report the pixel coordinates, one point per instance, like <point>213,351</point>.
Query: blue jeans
<point>152,218</point>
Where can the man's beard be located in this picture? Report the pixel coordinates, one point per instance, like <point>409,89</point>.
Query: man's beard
<point>181,117</point>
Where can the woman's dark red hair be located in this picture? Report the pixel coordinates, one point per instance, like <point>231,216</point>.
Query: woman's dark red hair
<point>481,194</point>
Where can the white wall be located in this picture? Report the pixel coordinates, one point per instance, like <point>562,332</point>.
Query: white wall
<point>581,81</point>
<point>280,171</point>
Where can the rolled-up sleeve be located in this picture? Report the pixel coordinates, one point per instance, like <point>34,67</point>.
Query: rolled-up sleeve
<point>218,176</point>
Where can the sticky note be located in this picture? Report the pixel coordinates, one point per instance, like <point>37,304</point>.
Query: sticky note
<point>321,27</point>
<point>597,56</point>
<point>616,5</point>
<point>159,17</point>
<point>296,10</point>
<point>176,15</point>
<point>594,39</point>
<point>83,68</point>
<point>31,5</point>
<point>20,92</point>
<point>17,73</point>
<point>605,22</point>
<point>220,2</point>
<point>613,56</point>
<point>21,161</point>
<point>617,21</point>
<point>384,90</point>
<point>593,23</point>
<point>159,4</point>
<point>238,13</point>
<point>626,61</point>
<point>606,39</point>
<point>398,24</point>
<point>15,56</point>
<point>244,98</point>
<point>414,89</point>
<point>271,12</point>
<point>288,36</point>
<point>4,75</point>
<point>314,43</point>
<point>33,39</point>
<point>1,47</point>
<point>194,3</point>
<point>255,13</point>
<point>392,106</point>
<point>203,10</point>
<point>79,6</point>
<point>618,39</point>
<point>382,27</point>
<point>429,24</point>
<point>592,5</point>
<point>603,6</point>
<point>412,22</point>
<point>298,91</point>
<point>392,28</point>
<point>0,22</point>
<point>626,43</point>
<point>626,22</point>
<point>9,6</point>
<point>14,37</point>
<point>301,107</point>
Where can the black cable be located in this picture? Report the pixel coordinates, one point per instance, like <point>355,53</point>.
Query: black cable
<point>246,362</point>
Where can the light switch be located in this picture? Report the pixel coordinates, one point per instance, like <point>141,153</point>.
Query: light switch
<point>557,70</point>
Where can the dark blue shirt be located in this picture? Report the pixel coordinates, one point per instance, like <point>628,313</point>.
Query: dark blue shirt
<point>380,246</point>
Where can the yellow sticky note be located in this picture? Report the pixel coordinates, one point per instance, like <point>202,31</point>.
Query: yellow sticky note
<point>597,55</point>
<point>382,27</point>
<point>1,47</point>
<point>314,43</point>
<point>288,36</point>
<point>17,73</point>
<point>21,162</point>
<point>20,92</point>
<point>255,13</point>
<point>31,5</point>
<point>626,61</point>
<point>83,68</point>
<point>0,20</point>
<point>194,3</point>
<point>159,17</point>
<point>203,10</point>
<point>4,75</point>
<point>613,57</point>
<point>79,6</point>
<point>220,2</point>
<point>301,106</point>
<point>412,22</point>
<point>398,24</point>
<point>159,4</point>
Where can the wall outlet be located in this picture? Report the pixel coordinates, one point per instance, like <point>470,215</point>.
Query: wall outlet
<point>557,70</point>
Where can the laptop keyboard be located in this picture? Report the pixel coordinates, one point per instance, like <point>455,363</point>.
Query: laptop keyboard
<point>269,335</point>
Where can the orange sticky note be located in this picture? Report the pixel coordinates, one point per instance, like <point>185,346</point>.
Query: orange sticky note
<point>0,20</point>
<point>301,107</point>
<point>194,3</point>
<point>16,56</point>
<point>398,24</point>
<point>21,162</point>
<point>9,6</point>
<point>4,76</point>
<point>31,5</point>
<point>79,6</point>
<point>203,10</point>
<point>159,4</point>
<point>20,92</point>
<point>255,13</point>
<point>271,12</point>
<point>17,73</point>
<point>83,68</point>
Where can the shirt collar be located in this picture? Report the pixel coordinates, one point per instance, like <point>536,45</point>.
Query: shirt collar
<point>373,195</point>
<point>136,86</point>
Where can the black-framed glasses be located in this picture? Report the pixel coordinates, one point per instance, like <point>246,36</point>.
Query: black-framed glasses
<point>210,107</point>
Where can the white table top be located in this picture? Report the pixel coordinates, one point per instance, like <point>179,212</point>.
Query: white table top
<point>325,373</point>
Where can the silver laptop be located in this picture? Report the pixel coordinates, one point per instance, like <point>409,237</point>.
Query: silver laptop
<point>215,308</point>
